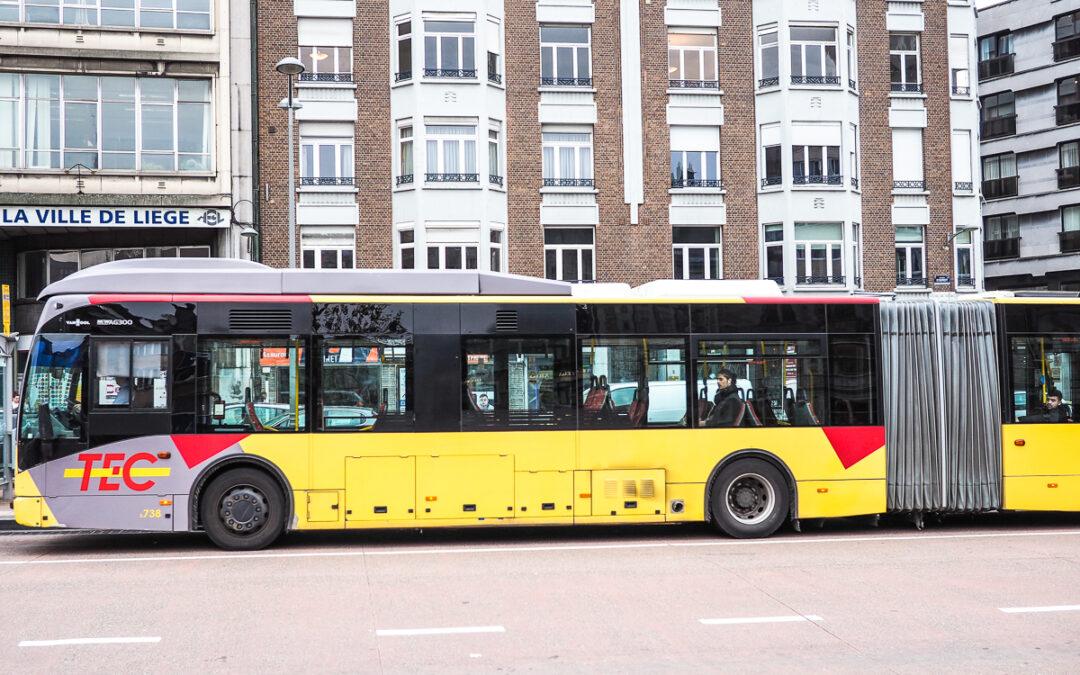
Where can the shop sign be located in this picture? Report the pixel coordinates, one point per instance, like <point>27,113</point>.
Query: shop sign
<point>106,216</point>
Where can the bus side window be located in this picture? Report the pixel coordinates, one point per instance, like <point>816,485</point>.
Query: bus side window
<point>252,385</point>
<point>366,385</point>
<point>1045,378</point>
<point>131,374</point>
<point>633,382</point>
<point>853,380</point>
<point>517,383</point>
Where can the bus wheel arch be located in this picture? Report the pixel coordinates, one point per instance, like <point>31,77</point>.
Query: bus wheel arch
<point>767,463</point>
<point>209,473</point>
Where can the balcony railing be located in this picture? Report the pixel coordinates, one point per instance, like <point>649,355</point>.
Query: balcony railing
<point>1068,177</point>
<point>1001,249</point>
<point>495,179</point>
<point>911,282</point>
<point>768,82</point>
<point>816,79</point>
<point>769,181</point>
<point>996,67</point>
<point>693,84</point>
<point>1068,113</point>
<point>326,180</point>
<point>495,78</point>
<point>696,183</point>
<point>835,179</point>
<point>838,279</point>
<point>1069,48</point>
<point>963,186</point>
<point>999,188</point>
<point>907,87</point>
<point>326,77</point>
<point>852,85</point>
<point>957,90</point>
<point>1070,241</point>
<point>909,185</point>
<point>965,280</point>
<point>565,81</point>
<point>999,126</point>
<point>570,182</point>
<point>404,179</point>
<point>403,76</point>
<point>452,177</point>
<point>451,73</point>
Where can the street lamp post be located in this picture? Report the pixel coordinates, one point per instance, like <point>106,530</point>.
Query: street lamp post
<point>291,67</point>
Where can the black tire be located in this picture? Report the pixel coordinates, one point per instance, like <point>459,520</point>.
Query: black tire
<point>243,510</point>
<point>749,499</point>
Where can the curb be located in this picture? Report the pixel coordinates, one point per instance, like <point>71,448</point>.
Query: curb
<point>7,523</point>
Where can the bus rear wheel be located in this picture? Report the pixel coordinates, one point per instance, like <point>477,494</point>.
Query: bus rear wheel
<point>243,510</point>
<point>749,499</point>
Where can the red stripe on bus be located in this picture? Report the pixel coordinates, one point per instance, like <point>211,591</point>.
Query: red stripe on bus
<point>107,299</point>
<point>133,297</point>
<point>838,300</point>
<point>197,448</point>
<point>854,444</point>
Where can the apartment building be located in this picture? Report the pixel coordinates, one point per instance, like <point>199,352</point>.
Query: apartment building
<point>1029,61</point>
<point>125,132</point>
<point>830,146</point>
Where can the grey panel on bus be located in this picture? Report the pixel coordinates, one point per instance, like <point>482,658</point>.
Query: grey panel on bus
<point>942,408</point>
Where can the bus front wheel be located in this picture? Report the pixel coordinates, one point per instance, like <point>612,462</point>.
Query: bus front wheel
<point>243,509</point>
<point>749,499</point>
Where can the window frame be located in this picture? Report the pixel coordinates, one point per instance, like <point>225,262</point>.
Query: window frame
<point>559,251</point>
<point>405,142</point>
<point>764,79</point>
<point>707,159</point>
<point>400,422</point>
<point>587,342</point>
<point>805,277</point>
<point>344,161</point>
<point>713,254</point>
<point>581,78</point>
<point>440,69</point>
<point>825,178</point>
<point>338,66</point>
<point>905,56</point>
<point>96,405</point>
<point>908,253</point>
<point>803,77</point>
<point>441,141</point>
<point>403,44</point>
<point>318,256</point>
<point>443,248</point>
<point>683,52</point>
<point>768,246</point>
<point>97,7</point>
<point>551,171</point>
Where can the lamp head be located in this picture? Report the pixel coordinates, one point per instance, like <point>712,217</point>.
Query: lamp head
<point>289,66</point>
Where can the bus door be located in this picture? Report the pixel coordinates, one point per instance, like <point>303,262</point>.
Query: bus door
<point>130,388</point>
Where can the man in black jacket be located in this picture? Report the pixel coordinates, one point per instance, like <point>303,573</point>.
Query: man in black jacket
<point>1056,410</point>
<point>729,409</point>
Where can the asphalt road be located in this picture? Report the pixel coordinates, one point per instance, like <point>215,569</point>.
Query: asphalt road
<point>847,597</point>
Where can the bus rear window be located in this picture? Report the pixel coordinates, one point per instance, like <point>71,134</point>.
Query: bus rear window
<point>52,421</point>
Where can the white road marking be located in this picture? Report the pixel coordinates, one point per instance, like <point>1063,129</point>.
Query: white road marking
<point>797,540</point>
<point>794,618</point>
<point>1037,610</point>
<point>90,641</point>
<point>456,630</point>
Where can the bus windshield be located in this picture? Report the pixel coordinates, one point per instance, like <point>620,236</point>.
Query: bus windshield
<point>52,409</point>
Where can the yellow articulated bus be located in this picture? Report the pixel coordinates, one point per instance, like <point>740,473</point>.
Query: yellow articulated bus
<point>243,401</point>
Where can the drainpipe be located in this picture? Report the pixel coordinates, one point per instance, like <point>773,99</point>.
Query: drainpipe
<point>256,221</point>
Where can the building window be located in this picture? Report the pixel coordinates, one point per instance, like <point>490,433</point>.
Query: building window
<point>999,176</point>
<point>813,55</point>
<point>852,60</point>
<point>772,169</point>
<point>567,159</point>
<point>1002,237</point>
<point>958,64</point>
<point>406,249</point>
<point>910,257</point>
<point>451,154</point>
<point>815,165</point>
<point>819,253</point>
<point>1068,172</point>
<point>1068,101</point>
<point>965,266</point>
<point>774,252</point>
<point>995,55</point>
<point>405,155</point>
<point>495,250</point>
<point>404,51</point>
<point>451,256</point>
<point>856,255</point>
<point>565,56</point>
<point>326,161</point>
<point>494,51</point>
<point>185,15</point>
<point>568,253</point>
<point>327,258</point>
<point>1067,34</point>
<point>449,48</point>
<point>106,123</point>
<point>904,62</point>
<point>695,169</point>
<point>495,175</point>
<point>998,115</point>
<point>692,61</point>
<point>696,252</point>
<point>769,58</point>
<point>1070,229</point>
<point>853,156</point>
<point>38,269</point>
<point>326,64</point>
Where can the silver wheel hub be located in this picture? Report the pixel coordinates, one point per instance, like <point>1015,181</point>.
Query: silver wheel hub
<point>750,498</point>
<point>243,509</point>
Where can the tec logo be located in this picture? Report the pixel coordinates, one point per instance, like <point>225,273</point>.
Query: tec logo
<point>110,468</point>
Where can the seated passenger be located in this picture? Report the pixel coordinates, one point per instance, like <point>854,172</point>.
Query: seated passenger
<point>1055,410</point>
<point>728,408</point>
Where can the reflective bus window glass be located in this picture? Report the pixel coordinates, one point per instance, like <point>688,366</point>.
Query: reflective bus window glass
<point>512,383</point>
<point>633,382</point>
<point>853,381</point>
<point>1045,378</point>
<point>365,384</point>
<point>52,419</point>
<point>253,385</point>
<point>112,374</point>
<point>131,374</point>
<point>760,383</point>
<point>149,371</point>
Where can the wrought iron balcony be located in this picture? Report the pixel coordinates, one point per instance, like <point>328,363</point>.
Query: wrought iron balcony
<point>451,73</point>
<point>852,85</point>
<point>768,82</point>
<point>495,78</point>
<point>326,77</point>
<point>403,76</point>
<point>565,81</point>
<point>855,182</point>
<point>452,177</point>
<point>1068,113</point>
<point>771,180</point>
<point>816,79</point>
<point>1001,249</point>
<point>495,179</point>
<point>911,282</point>
<point>965,280</point>
<point>1000,188</point>
<point>1070,241</point>
<point>961,91</point>
<point>909,185</point>
<point>999,126</point>
<point>996,67</point>
<point>326,180</point>
<point>1068,177</point>
<point>404,179</point>
<point>963,186</point>
<point>693,84</point>
<point>832,179</point>
<point>696,183</point>
<point>838,279</point>
<point>570,182</point>
<point>907,87</point>
<point>1069,48</point>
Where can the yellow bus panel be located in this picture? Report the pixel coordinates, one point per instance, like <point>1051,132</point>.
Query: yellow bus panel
<point>628,493</point>
<point>465,486</point>
<point>380,488</point>
<point>1042,493</point>
<point>544,494</point>
<point>837,498</point>
<point>1045,450</point>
